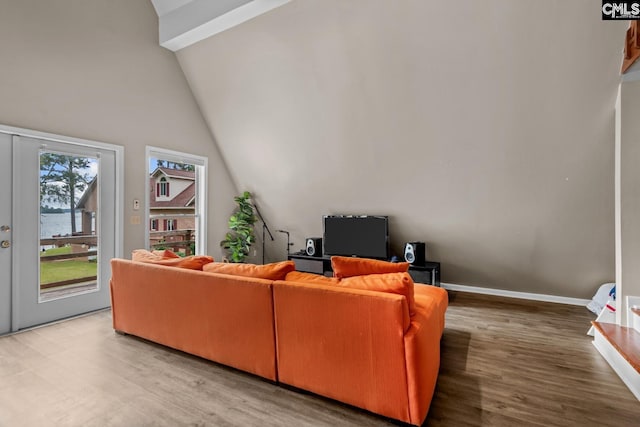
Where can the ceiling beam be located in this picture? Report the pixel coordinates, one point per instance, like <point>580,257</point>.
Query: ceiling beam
<point>197,20</point>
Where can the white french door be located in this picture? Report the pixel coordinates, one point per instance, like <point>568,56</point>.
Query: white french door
<point>58,228</point>
<point>6,233</point>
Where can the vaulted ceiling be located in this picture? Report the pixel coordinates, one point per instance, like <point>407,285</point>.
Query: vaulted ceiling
<point>484,129</point>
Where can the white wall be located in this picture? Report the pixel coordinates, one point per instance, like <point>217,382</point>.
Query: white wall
<point>94,70</point>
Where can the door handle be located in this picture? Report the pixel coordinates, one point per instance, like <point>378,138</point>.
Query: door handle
<point>5,228</point>
<point>5,244</point>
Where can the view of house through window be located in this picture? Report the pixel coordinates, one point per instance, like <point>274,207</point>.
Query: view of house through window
<point>173,214</point>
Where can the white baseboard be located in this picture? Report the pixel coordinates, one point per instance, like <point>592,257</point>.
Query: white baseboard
<point>514,294</point>
<point>625,371</point>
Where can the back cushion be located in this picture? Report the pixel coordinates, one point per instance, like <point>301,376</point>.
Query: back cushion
<point>166,253</point>
<point>273,271</point>
<point>302,277</point>
<point>395,283</point>
<point>193,262</point>
<point>350,266</point>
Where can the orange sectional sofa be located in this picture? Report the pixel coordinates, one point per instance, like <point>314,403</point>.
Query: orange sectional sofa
<point>371,349</point>
<point>361,347</point>
<point>227,319</point>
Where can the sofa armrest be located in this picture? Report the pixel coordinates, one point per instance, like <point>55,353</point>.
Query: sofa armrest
<point>422,346</point>
<point>345,344</point>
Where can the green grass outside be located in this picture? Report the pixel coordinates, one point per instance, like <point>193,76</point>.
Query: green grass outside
<point>56,251</point>
<point>57,271</point>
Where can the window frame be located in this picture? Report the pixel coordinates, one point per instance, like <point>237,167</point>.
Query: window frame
<point>163,187</point>
<point>201,169</point>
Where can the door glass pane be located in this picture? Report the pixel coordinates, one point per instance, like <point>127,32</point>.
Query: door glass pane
<point>172,206</point>
<point>68,225</point>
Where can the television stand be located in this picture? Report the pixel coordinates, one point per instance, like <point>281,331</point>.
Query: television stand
<point>427,273</point>
<point>312,264</point>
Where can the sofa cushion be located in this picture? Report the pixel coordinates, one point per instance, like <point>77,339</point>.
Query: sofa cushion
<point>395,283</point>
<point>193,262</point>
<point>302,277</point>
<point>273,271</point>
<point>351,266</point>
<point>166,253</point>
<point>432,298</point>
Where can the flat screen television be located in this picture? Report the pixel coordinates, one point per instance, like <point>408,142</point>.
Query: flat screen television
<point>364,236</point>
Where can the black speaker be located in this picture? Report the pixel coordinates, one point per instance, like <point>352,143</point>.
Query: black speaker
<point>314,246</point>
<point>415,253</point>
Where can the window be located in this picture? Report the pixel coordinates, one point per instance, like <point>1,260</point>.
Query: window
<point>163,187</point>
<point>175,201</point>
<point>170,224</point>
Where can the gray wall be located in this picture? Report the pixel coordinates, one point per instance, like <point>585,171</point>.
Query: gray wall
<point>487,134</point>
<point>485,129</point>
<point>94,70</point>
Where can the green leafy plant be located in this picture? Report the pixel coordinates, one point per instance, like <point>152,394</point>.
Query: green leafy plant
<point>238,241</point>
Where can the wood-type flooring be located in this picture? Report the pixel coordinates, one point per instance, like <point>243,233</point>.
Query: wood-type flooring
<point>505,362</point>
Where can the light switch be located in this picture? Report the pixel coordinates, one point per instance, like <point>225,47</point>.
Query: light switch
<point>135,219</point>
<point>136,204</point>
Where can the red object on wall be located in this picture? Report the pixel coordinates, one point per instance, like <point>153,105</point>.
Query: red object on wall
<point>631,46</point>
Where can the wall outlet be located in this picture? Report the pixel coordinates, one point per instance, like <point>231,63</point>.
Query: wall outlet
<point>136,204</point>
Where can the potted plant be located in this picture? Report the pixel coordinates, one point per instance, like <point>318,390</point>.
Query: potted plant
<point>238,241</point>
